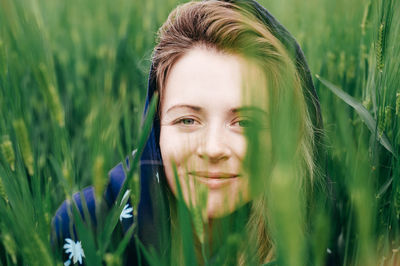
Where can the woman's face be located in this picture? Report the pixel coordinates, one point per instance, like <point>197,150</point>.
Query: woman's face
<point>205,109</point>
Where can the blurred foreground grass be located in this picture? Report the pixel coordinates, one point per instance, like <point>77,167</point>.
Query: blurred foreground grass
<point>73,78</point>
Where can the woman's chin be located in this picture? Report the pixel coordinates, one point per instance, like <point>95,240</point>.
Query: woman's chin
<point>220,205</point>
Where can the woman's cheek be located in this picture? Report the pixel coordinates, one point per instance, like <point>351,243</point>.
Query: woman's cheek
<point>174,151</point>
<point>240,146</point>
<point>176,146</point>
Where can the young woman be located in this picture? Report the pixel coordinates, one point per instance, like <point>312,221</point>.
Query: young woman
<point>227,74</point>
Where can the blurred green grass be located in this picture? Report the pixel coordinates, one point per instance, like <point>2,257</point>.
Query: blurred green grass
<point>73,78</point>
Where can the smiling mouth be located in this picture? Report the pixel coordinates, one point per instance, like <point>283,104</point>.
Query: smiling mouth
<point>215,180</point>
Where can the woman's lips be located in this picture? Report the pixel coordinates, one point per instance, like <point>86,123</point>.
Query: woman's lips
<point>215,180</point>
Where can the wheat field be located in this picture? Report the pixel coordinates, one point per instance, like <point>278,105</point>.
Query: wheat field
<point>73,79</point>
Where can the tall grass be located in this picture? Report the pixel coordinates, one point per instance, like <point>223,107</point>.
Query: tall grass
<point>73,79</point>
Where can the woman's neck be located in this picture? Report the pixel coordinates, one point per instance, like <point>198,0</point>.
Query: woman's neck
<point>218,231</point>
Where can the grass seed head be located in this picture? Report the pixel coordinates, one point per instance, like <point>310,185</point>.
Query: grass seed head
<point>3,193</point>
<point>99,179</point>
<point>379,48</point>
<point>8,151</point>
<point>66,171</point>
<point>398,103</point>
<point>10,246</point>
<point>55,106</point>
<point>24,144</point>
<point>388,117</point>
<point>53,98</point>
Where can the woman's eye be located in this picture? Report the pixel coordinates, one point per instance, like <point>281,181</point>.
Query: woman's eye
<point>187,121</point>
<point>255,124</point>
<point>244,123</point>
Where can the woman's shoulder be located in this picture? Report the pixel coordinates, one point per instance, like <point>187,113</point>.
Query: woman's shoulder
<point>117,178</point>
<point>63,225</point>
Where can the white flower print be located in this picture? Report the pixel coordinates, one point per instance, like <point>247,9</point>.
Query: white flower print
<point>126,212</point>
<point>75,251</point>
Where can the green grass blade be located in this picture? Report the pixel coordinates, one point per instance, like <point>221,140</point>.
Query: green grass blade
<point>361,111</point>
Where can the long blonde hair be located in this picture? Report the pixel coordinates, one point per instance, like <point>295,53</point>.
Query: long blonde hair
<point>233,28</point>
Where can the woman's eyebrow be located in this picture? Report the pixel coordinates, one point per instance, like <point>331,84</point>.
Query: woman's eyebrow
<point>184,106</point>
<point>249,109</point>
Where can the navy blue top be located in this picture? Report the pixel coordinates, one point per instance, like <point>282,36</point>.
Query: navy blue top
<point>62,223</point>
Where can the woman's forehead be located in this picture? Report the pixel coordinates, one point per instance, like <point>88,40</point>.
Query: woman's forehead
<point>206,76</point>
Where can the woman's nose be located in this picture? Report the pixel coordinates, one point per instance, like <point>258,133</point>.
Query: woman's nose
<point>213,145</point>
